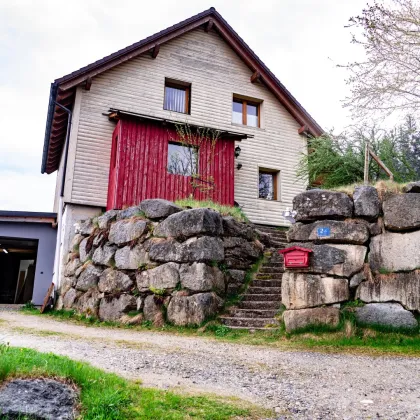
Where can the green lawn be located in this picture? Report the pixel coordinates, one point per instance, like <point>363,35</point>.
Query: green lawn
<point>348,337</point>
<point>108,396</point>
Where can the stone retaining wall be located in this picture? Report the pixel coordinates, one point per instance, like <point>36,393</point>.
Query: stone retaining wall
<point>157,262</point>
<point>372,253</point>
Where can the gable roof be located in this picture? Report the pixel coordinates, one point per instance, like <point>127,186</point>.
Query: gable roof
<point>63,89</point>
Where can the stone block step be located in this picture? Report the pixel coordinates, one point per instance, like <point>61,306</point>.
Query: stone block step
<point>263,290</point>
<point>266,276</point>
<point>254,313</point>
<point>271,269</point>
<point>259,297</point>
<point>266,283</point>
<point>249,322</point>
<point>250,304</point>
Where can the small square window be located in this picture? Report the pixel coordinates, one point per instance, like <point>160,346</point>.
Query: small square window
<point>268,184</point>
<point>182,160</point>
<point>245,112</point>
<point>177,97</point>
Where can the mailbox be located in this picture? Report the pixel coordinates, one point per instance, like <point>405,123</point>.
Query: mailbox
<point>296,257</point>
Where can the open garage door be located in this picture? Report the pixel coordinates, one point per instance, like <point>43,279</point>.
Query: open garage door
<point>17,269</point>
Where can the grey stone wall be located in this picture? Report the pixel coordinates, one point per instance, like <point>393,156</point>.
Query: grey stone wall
<point>363,247</point>
<point>156,262</point>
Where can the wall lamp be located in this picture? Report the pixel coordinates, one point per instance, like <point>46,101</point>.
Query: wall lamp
<point>237,151</point>
<point>239,166</point>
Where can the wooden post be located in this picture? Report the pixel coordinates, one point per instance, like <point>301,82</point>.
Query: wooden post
<point>366,171</point>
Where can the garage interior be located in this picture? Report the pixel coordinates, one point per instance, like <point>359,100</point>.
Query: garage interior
<point>17,269</point>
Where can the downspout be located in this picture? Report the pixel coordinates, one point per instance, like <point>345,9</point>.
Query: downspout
<point>57,259</point>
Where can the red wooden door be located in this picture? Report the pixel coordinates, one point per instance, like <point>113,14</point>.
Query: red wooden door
<point>113,170</point>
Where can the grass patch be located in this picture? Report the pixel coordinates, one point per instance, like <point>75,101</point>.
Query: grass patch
<point>346,338</point>
<point>383,187</point>
<point>108,396</point>
<point>235,212</point>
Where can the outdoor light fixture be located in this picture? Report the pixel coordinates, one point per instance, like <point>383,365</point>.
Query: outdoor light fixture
<point>290,215</point>
<point>237,151</point>
<point>239,166</point>
<point>5,251</point>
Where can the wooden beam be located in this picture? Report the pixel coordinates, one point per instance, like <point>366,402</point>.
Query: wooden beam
<point>209,25</point>
<point>303,129</point>
<point>155,50</point>
<point>381,164</point>
<point>255,77</point>
<point>88,83</point>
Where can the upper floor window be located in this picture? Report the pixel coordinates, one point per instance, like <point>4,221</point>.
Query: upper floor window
<point>245,112</point>
<point>177,96</point>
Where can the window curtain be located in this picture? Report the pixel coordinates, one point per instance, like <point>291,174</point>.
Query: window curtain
<point>174,99</point>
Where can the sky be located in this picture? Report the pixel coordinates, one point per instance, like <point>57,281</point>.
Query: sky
<point>301,41</point>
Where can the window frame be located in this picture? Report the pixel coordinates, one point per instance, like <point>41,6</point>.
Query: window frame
<point>245,103</point>
<point>177,84</point>
<point>275,174</point>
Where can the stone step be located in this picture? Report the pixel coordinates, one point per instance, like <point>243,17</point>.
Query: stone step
<point>271,270</point>
<point>263,290</point>
<point>273,264</point>
<point>254,313</point>
<point>266,276</point>
<point>259,297</point>
<point>249,322</point>
<point>266,283</point>
<point>250,304</point>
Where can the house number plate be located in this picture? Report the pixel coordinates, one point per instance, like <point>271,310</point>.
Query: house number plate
<point>322,232</point>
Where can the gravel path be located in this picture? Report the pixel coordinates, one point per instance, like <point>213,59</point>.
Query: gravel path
<point>297,384</point>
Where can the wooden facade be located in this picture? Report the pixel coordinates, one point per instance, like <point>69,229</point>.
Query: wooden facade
<point>139,167</point>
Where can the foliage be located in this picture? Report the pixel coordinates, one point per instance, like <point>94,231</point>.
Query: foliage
<point>334,161</point>
<point>386,81</point>
<point>224,210</point>
<point>107,396</point>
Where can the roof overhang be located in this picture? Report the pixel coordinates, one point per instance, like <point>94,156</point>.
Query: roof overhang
<point>28,217</point>
<point>117,114</point>
<point>63,89</point>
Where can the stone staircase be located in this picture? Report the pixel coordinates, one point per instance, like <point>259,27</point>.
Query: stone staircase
<point>262,299</point>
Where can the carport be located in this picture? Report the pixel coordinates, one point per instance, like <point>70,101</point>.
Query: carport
<point>27,247</point>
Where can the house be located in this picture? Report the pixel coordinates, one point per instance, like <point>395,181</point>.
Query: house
<point>114,128</point>
<point>27,248</point>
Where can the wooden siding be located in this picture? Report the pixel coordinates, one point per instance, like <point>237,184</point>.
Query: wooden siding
<point>216,73</point>
<point>140,153</point>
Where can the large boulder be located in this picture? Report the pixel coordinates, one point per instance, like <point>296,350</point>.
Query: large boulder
<point>125,231</point>
<point>205,248</point>
<point>231,227</point>
<point>86,250</point>
<point>200,277</point>
<point>402,212</point>
<point>70,298</point>
<point>412,187</point>
<point>338,260</point>
<point>297,319</point>
<point>330,231</point>
<point>322,204</point>
<point>129,212</point>
<point>128,258</point>
<point>299,290</point>
<point>386,314</point>
<point>85,227</point>
<point>75,242</point>
<point>191,223</point>
<point>88,278</point>
<point>114,281</point>
<point>151,308</point>
<point>112,309</point>
<point>193,310</point>
<point>163,277</point>
<point>104,220</point>
<point>393,251</point>
<point>104,255</point>
<point>157,208</point>
<point>366,202</point>
<point>71,267</point>
<point>88,303</point>
<point>395,287</point>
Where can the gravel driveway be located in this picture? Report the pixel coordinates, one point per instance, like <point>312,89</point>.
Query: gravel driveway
<point>297,384</point>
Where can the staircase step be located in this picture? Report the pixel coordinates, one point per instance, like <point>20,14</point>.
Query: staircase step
<point>266,283</point>
<point>249,322</point>
<point>266,276</point>
<point>270,270</point>
<point>254,313</point>
<point>263,290</point>
<point>250,304</point>
<point>273,297</point>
